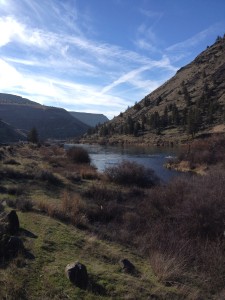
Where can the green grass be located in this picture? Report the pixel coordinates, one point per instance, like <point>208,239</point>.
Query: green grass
<point>57,245</point>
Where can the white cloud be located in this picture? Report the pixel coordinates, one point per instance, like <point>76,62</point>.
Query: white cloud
<point>15,31</point>
<point>9,29</point>
<point>9,76</point>
<point>124,78</point>
<point>66,68</point>
<point>51,91</point>
<point>151,14</point>
<point>194,40</point>
<point>133,78</point>
<point>145,45</point>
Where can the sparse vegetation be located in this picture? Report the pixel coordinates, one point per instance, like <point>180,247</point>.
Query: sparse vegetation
<point>187,105</point>
<point>175,229</point>
<point>78,155</point>
<point>201,154</point>
<point>131,173</point>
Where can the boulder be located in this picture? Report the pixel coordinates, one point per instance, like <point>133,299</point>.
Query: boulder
<point>14,246</point>
<point>127,266</point>
<point>77,274</point>
<point>10,246</point>
<point>13,222</point>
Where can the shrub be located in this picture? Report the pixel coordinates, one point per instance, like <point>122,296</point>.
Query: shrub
<point>204,151</point>
<point>88,172</point>
<point>78,155</point>
<point>100,194</point>
<point>73,176</point>
<point>132,173</point>
<point>49,177</point>
<point>24,204</point>
<point>71,209</point>
<point>20,203</point>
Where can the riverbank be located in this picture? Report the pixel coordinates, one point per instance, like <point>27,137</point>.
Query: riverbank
<point>185,167</point>
<point>167,231</point>
<point>200,156</point>
<point>173,138</point>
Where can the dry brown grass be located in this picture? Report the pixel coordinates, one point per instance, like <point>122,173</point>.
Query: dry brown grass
<point>70,209</point>
<point>204,151</point>
<point>169,269</point>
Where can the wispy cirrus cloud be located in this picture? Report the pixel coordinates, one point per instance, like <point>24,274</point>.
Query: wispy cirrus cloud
<point>146,39</point>
<point>156,15</point>
<point>194,40</point>
<point>61,65</point>
<point>133,77</point>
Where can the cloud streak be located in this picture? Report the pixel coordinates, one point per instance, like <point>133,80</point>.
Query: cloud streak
<point>194,40</point>
<point>48,52</point>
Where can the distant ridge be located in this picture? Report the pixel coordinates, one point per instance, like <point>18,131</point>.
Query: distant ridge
<point>14,99</point>
<point>50,122</point>
<point>89,118</point>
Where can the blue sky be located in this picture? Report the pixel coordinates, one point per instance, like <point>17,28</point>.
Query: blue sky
<point>100,55</point>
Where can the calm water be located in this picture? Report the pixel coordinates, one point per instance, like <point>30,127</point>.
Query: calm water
<point>154,158</point>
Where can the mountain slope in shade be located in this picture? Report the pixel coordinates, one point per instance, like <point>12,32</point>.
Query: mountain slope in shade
<point>9,134</point>
<point>14,99</point>
<point>50,122</point>
<point>190,103</point>
<point>89,118</point>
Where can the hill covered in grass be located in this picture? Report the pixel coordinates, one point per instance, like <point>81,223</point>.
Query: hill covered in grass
<point>189,104</point>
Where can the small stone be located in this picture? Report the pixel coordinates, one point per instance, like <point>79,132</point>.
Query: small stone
<point>128,267</point>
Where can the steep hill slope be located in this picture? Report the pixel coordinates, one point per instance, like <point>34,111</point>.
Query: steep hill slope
<point>9,134</point>
<point>50,122</point>
<point>89,119</point>
<point>191,102</point>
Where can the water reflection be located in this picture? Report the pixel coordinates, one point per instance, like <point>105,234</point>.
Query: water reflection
<point>105,156</point>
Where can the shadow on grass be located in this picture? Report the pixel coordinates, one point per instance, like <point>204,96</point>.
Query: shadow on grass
<point>28,233</point>
<point>96,288</point>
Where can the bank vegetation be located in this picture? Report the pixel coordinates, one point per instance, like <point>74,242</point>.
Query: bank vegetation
<point>177,228</point>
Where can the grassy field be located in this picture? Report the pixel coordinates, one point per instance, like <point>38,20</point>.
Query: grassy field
<point>54,246</point>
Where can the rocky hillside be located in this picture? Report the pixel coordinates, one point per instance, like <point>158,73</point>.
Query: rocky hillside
<point>190,103</point>
<point>50,122</point>
<point>89,119</point>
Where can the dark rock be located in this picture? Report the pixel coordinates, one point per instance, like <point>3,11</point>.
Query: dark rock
<point>13,246</point>
<point>128,267</point>
<point>77,274</point>
<point>13,222</point>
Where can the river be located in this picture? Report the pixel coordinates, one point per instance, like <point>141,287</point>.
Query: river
<point>152,157</point>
